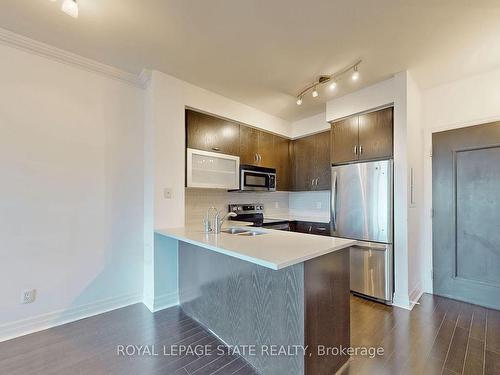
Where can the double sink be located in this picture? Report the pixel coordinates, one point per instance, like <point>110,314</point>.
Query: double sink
<point>243,231</point>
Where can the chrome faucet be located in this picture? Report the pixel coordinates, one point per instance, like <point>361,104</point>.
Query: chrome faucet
<point>219,221</point>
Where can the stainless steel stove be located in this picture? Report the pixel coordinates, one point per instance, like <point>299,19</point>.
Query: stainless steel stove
<point>254,213</point>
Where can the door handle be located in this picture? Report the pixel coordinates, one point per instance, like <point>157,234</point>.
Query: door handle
<point>317,181</point>
<point>256,157</point>
<point>360,149</point>
<point>260,157</point>
<point>334,201</point>
<point>356,150</point>
<point>215,148</point>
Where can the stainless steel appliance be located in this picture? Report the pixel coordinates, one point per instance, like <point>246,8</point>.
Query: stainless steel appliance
<point>362,209</point>
<point>254,178</point>
<point>254,213</point>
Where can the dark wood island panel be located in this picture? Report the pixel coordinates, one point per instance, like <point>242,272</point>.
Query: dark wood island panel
<point>326,311</point>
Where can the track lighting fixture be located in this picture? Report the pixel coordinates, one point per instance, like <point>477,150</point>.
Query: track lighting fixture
<point>333,79</point>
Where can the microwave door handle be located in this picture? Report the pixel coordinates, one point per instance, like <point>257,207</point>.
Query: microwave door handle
<point>334,201</point>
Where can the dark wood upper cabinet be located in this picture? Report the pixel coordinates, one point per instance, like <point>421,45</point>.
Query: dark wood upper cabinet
<point>311,162</point>
<point>303,164</point>
<point>265,151</point>
<point>249,145</point>
<point>322,161</point>
<point>345,140</point>
<point>375,134</point>
<point>364,137</point>
<point>257,147</point>
<point>283,163</point>
<point>205,132</point>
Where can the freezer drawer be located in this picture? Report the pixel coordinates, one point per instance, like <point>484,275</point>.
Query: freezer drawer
<point>371,270</point>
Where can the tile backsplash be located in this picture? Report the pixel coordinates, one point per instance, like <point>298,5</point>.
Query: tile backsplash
<point>309,203</point>
<point>199,200</point>
<point>276,204</point>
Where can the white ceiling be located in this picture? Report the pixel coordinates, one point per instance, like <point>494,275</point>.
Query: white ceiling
<point>262,52</point>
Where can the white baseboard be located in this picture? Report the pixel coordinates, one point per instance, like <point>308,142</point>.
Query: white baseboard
<point>409,301</point>
<point>415,295</point>
<point>161,302</point>
<point>55,318</point>
<point>402,302</point>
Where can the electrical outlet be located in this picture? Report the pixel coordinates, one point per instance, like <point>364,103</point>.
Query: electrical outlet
<point>167,193</point>
<point>28,296</point>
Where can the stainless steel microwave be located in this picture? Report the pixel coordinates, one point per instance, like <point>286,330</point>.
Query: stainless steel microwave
<point>254,178</point>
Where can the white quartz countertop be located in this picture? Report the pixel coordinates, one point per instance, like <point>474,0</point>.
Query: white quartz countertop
<point>275,249</point>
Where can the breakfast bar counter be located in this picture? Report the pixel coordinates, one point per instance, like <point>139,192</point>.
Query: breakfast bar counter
<point>283,294</point>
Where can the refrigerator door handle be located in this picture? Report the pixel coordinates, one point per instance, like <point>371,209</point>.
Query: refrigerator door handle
<point>334,201</point>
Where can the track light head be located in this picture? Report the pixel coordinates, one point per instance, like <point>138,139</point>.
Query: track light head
<point>355,73</point>
<point>70,7</point>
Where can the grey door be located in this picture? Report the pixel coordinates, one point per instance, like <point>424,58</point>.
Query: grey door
<point>466,224</point>
<point>361,201</point>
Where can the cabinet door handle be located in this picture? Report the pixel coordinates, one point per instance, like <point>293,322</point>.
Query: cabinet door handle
<point>360,149</point>
<point>260,157</point>
<point>256,157</point>
<point>356,150</point>
<point>321,228</point>
<point>317,181</point>
<point>215,148</point>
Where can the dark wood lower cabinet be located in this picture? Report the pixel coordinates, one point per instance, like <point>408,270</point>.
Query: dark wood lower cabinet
<point>322,229</point>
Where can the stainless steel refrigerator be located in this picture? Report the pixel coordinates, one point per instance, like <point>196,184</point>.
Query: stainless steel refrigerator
<point>362,209</point>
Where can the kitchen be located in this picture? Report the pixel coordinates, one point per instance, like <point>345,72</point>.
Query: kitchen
<point>173,186</point>
<point>222,154</point>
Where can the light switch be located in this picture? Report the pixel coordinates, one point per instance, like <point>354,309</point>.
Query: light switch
<point>167,193</point>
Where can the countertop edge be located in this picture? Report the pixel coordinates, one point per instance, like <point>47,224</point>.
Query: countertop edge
<point>260,262</point>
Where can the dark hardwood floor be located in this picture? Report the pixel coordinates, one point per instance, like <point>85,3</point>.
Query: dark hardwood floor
<point>91,346</point>
<point>439,336</point>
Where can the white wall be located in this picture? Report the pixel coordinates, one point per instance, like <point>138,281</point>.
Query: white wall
<point>71,212</point>
<point>166,100</point>
<point>470,101</point>
<point>404,94</point>
<point>309,125</point>
<point>416,260</point>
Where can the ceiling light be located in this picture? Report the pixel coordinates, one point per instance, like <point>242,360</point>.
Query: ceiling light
<point>70,7</point>
<point>331,79</point>
<point>355,74</point>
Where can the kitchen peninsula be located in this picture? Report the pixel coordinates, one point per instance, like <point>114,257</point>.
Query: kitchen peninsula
<point>268,288</point>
